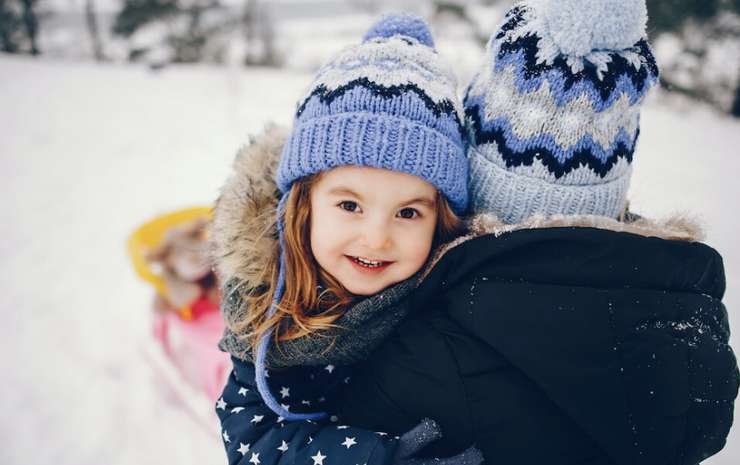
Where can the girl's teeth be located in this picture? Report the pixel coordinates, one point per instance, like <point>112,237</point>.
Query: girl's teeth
<point>368,263</point>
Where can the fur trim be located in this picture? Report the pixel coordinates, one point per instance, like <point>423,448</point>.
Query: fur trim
<point>678,227</point>
<point>243,232</point>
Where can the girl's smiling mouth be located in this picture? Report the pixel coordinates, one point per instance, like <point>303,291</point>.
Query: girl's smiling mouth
<point>366,264</point>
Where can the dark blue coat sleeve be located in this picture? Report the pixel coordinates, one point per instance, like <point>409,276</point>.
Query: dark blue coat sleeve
<point>253,434</point>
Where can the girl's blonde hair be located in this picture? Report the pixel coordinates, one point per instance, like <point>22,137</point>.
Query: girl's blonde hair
<point>306,307</point>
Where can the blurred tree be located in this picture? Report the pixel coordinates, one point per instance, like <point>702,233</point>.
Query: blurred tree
<point>189,41</point>
<point>735,110</point>
<point>19,26</point>
<point>259,34</point>
<point>91,18</point>
<point>672,15</point>
<point>137,13</point>
<point>197,30</point>
<point>10,27</point>
<point>451,7</point>
<point>31,24</point>
<point>184,27</point>
<point>705,64</point>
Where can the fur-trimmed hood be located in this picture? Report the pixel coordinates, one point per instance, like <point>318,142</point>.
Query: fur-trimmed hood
<point>243,231</point>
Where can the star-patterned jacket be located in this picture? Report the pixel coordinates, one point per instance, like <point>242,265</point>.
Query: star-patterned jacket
<point>254,434</point>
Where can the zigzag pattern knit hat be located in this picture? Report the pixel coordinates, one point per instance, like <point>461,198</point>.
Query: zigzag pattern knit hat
<point>387,103</point>
<point>553,116</point>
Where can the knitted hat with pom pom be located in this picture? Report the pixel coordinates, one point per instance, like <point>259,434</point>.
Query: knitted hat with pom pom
<point>553,116</point>
<point>387,103</point>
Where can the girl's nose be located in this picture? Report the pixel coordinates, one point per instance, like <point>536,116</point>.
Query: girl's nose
<point>376,235</point>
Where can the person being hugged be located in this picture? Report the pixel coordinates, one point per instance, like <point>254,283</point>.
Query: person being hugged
<point>562,329</point>
<point>324,248</point>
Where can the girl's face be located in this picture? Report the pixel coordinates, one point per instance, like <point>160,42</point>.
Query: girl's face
<point>370,227</point>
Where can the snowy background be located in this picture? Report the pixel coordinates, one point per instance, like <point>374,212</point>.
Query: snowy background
<point>90,151</point>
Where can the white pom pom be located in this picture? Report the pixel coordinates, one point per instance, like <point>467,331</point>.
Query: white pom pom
<point>579,27</point>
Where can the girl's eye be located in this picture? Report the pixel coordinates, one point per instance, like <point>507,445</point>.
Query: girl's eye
<point>408,213</point>
<point>349,206</point>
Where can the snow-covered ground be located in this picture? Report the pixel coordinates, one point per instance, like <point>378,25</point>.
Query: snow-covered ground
<point>88,153</point>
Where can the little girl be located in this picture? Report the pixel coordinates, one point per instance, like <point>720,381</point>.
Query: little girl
<point>372,176</point>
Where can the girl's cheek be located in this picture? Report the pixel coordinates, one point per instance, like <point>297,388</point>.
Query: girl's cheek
<point>418,257</point>
<point>419,240</point>
<point>334,230</point>
<point>334,224</point>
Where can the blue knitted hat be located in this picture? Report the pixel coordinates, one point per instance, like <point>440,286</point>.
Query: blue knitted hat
<point>387,103</point>
<point>553,116</point>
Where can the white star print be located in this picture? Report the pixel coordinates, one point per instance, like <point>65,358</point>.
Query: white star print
<point>285,406</point>
<point>283,447</point>
<point>310,440</point>
<point>226,436</point>
<point>342,427</point>
<point>221,404</point>
<point>318,459</point>
<point>237,409</point>
<point>243,448</point>
<point>306,402</point>
<point>256,419</point>
<point>285,392</point>
<point>280,419</point>
<point>329,368</point>
<point>243,391</point>
<point>380,433</point>
<point>267,374</point>
<point>255,459</point>
<point>349,442</point>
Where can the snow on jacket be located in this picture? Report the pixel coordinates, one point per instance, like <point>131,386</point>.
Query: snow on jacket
<point>572,340</point>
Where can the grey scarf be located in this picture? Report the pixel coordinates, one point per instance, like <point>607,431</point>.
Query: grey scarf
<point>361,328</point>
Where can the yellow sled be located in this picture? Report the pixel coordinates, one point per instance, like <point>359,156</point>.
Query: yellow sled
<point>150,235</point>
